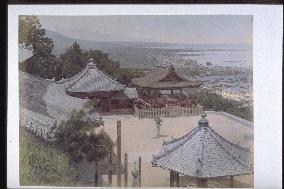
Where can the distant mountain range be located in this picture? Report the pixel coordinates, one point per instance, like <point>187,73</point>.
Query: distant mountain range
<point>62,42</point>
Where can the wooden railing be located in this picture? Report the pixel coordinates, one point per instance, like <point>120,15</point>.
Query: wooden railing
<point>167,112</point>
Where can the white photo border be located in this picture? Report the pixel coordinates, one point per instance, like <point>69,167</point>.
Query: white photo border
<point>267,75</point>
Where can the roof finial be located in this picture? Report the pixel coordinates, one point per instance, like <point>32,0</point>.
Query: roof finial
<point>203,115</point>
<point>91,62</point>
<point>203,121</point>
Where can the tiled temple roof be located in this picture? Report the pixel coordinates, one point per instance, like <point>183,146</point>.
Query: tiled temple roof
<point>203,153</point>
<point>39,124</point>
<point>128,93</point>
<point>31,92</point>
<point>158,79</point>
<point>91,80</point>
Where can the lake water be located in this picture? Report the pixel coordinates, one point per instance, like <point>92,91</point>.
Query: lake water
<point>222,55</point>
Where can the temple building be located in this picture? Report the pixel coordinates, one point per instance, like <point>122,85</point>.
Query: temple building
<point>203,154</point>
<point>92,83</point>
<point>164,86</point>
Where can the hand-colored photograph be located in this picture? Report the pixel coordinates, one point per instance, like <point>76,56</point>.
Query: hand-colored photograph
<point>136,101</point>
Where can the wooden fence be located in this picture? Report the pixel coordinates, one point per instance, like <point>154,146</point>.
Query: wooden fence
<point>168,111</point>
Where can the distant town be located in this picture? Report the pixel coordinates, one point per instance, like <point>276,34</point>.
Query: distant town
<point>230,82</point>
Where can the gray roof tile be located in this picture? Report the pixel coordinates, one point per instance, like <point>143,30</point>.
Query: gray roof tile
<point>91,79</point>
<point>203,153</point>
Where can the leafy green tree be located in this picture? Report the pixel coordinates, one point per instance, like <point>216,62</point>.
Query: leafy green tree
<point>103,62</point>
<point>67,130</point>
<point>78,139</point>
<point>73,134</point>
<point>72,61</point>
<point>125,75</point>
<point>75,59</point>
<point>31,33</point>
<point>23,30</point>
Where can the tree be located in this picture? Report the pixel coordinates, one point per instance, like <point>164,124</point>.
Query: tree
<point>75,59</point>
<point>73,135</point>
<point>124,75</point>
<point>31,33</point>
<point>78,139</point>
<point>70,130</point>
<point>72,61</point>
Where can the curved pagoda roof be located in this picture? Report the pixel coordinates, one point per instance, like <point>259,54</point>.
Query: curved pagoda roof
<point>91,82</point>
<point>203,153</point>
<point>165,78</point>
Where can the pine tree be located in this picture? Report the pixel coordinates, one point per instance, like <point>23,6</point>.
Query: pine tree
<point>72,61</point>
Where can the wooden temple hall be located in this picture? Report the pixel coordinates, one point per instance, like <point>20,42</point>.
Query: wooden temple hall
<point>165,86</point>
<point>92,83</point>
<point>200,155</point>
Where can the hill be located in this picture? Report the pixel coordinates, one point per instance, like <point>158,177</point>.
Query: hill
<point>61,42</point>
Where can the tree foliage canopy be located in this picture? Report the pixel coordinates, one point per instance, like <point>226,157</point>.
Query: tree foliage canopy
<point>78,139</point>
<point>31,33</point>
<point>75,59</point>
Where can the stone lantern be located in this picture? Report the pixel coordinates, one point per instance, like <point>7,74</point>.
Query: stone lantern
<point>158,121</point>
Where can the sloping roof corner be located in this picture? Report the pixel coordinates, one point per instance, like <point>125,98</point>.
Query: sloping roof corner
<point>156,79</point>
<point>91,80</point>
<point>203,153</point>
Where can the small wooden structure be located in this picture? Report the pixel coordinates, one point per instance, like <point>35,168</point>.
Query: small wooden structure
<point>92,83</point>
<point>164,86</point>
<point>202,154</point>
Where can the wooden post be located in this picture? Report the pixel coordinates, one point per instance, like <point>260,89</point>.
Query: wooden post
<point>139,170</point>
<point>96,174</point>
<point>172,177</point>
<point>119,152</point>
<point>109,103</point>
<point>177,179</point>
<point>110,168</point>
<point>231,181</point>
<point>125,170</point>
<point>156,95</point>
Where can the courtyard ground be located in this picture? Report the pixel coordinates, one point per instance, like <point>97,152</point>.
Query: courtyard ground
<point>138,138</point>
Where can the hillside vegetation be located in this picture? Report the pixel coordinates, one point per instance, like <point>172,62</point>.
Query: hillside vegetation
<point>42,164</point>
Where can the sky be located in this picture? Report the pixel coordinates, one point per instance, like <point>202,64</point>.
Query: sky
<point>167,29</point>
